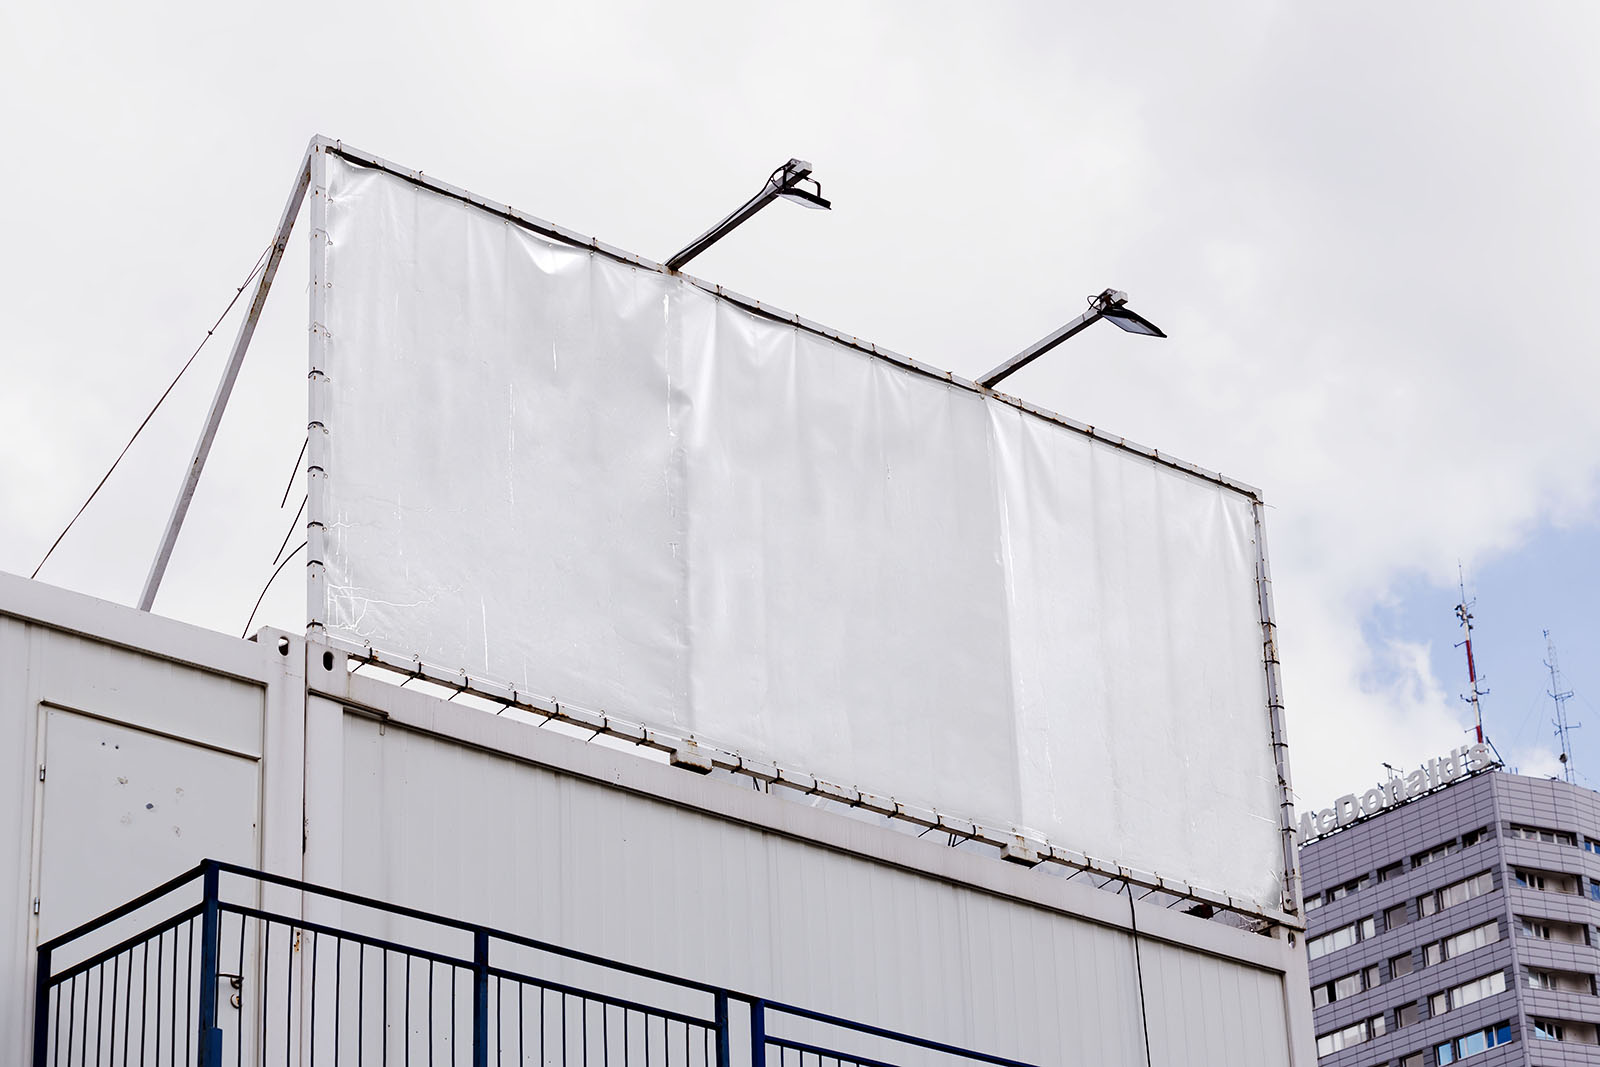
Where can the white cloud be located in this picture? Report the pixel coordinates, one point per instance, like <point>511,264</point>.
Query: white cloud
<point>1368,230</point>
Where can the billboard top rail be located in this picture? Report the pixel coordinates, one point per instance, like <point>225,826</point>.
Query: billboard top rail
<point>556,232</point>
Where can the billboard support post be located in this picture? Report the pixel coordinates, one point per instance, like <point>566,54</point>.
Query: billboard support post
<point>317,380</point>
<point>219,401</point>
<point>1280,741</point>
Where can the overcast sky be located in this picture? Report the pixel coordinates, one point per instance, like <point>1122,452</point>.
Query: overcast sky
<point>1370,230</point>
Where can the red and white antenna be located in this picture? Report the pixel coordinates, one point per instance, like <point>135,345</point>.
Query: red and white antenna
<point>1464,613</point>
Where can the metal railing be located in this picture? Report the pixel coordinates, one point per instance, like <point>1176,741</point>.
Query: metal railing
<point>225,980</point>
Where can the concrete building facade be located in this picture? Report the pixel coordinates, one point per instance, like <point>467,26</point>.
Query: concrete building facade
<point>1460,925</point>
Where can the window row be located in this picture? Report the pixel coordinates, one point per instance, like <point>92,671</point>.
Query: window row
<point>1436,952</point>
<point>1466,993</point>
<point>1314,901</point>
<point>1350,1036</point>
<point>1458,1048</point>
<point>1549,837</point>
<point>1455,893</point>
<point>1342,937</point>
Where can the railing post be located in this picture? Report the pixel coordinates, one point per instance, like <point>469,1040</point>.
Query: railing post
<point>724,1051</point>
<point>758,1033</point>
<point>480,999</point>
<point>210,1036</point>
<point>41,1011</point>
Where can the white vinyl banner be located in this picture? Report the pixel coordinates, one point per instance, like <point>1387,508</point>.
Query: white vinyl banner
<point>604,484</point>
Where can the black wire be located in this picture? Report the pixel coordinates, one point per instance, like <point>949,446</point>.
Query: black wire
<point>290,531</point>
<point>162,399</point>
<point>264,588</point>
<point>292,474</point>
<point>1138,965</point>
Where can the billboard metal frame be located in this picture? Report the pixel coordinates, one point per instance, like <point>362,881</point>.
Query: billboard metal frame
<point>686,750</point>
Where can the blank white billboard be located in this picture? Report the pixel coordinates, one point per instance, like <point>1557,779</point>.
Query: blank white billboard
<point>601,483</point>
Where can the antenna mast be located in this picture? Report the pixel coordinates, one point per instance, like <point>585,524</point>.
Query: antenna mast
<point>1560,696</point>
<point>1464,613</point>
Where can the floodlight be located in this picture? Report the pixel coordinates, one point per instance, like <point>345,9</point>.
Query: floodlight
<point>796,194</point>
<point>786,181</point>
<point>1107,304</point>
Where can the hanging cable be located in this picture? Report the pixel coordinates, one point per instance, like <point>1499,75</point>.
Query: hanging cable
<point>290,531</point>
<point>261,262</point>
<point>263,596</point>
<point>1138,966</point>
<point>292,474</point>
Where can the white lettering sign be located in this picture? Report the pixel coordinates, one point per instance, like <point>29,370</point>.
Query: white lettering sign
<point>1468,759</point>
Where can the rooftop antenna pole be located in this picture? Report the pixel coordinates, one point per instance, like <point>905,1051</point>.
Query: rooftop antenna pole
<point>1560,696</point>
<point>1464,613</point>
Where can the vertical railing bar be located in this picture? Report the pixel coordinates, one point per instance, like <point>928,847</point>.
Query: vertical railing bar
<point>292,938</point>
<point>266,987</point>
<point>383,1057</point>
<point>563,1028</point>
<point>41,1009</point>
<point>625,1039</point>
<point>758,1033</point>
<point>361,1001</point>
<point>408,1011</point>
<point>522,1041</point>
<point>144,998</point>
<point>431,965</point>
<point>455,980</point>
<point>72,1012</point>
<point>99,1017</point>
<point>644,1026</point>
<point>338,995</point>
<point>724,1047</point>
<point>172,1002</point>
<point>116,975</point>
<point>543,995</point>
<point>315,946</point>
<point>605,1035</point>
<point>188,995</point>
<point>238,1026</point>
<point>583,1006</point>
<point>160,951</point>
<point>480,998</point>
<point>210,947</point>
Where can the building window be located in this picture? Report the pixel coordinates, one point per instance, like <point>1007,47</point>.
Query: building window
<point>1394,870</point>
<point>1342,937</point>
<point>1594,889</point>
<point>1473,837</point>
<point>1405,1015</point>
<point>1395,917</point>
<point>1489,1037</point>
<point>1455,893</point>
<point>1313,902</point>
<point>1438,852</point>
<point>1348,986</point>
<point>1460,944</point>
<point>1413,1060</point>
<point>1549,1030</point>
<point>1400,966</point>
<point>1591,844</point>
<point>1467,993</point>
<point>1339,892</point>
<point>1350,1036</point>
<point>1549,837</point>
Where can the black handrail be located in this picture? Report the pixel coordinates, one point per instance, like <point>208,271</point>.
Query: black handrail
<point>211,908</point>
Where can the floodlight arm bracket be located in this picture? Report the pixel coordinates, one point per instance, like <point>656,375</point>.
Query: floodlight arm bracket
<point>1041,346</point>
<point>230,374</point>
<point>1108,304</point>
<point>782,180</point>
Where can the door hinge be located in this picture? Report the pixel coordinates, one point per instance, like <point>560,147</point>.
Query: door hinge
<point>41,772</point>
<point>36,905</point>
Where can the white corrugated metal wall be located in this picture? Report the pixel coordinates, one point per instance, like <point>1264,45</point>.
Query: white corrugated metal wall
<point>409,798</point>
